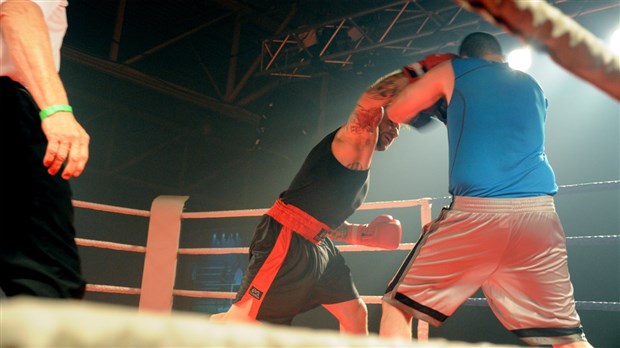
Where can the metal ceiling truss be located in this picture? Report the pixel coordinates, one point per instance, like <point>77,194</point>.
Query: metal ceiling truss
<point>393,26</point>
<point>405,27</point>
<point>400,26</point>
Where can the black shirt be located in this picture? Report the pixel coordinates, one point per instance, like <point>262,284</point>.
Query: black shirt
<point>324,188</point>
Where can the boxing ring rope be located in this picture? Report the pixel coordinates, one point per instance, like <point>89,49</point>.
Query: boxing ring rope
<point>164,232</point>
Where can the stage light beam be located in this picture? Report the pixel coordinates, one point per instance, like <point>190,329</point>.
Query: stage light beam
<point>520,59</point>
<point>614,42</point>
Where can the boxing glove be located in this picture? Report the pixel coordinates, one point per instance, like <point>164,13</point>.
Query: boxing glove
<point>385,88</point>
<point>383,232</point>
<point>438,111</point>
<point>415,70</point>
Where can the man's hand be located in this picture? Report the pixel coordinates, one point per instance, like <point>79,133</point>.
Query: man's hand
<point>67,143</point>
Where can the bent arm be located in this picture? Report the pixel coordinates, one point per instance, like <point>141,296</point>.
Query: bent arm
<point>424,93</point>
<point>355,142</point>
<point>383,90</point>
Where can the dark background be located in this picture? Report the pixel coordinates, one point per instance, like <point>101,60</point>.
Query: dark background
<point>176,103</point>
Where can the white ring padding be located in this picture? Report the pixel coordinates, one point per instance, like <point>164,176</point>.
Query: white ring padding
<point>36,322</point>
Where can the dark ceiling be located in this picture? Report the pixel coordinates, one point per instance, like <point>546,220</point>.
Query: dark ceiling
<point>200,96</point>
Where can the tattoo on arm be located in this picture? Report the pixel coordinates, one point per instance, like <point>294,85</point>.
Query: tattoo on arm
<point>364,120</point>
<point>387,86</point>
<point>367,113</point>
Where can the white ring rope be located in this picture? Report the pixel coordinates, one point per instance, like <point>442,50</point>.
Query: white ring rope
<point>259,212</point>
<point>204,294</point>
<point>368,299</point>
<point>423,203</point>
<point>224,214</point>
<point>562,189</point>
<point>112,289</point>
<point>245,250</point>
<point>596,183</point>
<point>581,305</point>
<point>590,240</point>
<point>109,245</point>
<point>111,208</point>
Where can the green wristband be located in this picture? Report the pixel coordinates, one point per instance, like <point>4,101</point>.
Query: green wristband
<point>50,110</point>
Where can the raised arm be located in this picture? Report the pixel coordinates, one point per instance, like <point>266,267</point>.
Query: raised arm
<point>355,141</point>
<point>424,93</point>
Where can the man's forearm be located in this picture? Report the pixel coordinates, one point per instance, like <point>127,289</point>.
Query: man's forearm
<point>26,36</point>
<point>367,114</point>
<point>383,90</point>
<point>340,233</point>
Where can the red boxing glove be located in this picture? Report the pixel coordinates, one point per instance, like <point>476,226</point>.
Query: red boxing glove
<point>417,69</point>
<point>383,232</point>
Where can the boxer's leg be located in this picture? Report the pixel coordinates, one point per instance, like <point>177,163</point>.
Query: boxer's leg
<point>352,316</point>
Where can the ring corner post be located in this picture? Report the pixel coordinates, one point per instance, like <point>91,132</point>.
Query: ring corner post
<point>160,259</point>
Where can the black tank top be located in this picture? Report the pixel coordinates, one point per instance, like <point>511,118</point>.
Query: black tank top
<point>324,188</point>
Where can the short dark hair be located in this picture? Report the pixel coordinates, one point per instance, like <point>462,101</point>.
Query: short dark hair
<point>477,44</point>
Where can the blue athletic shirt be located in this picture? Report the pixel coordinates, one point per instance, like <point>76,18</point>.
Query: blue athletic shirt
<point>496,121</point>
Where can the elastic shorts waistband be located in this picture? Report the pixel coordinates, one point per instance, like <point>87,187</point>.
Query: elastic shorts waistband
<point>299,221</point>
<point>503,205</point>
